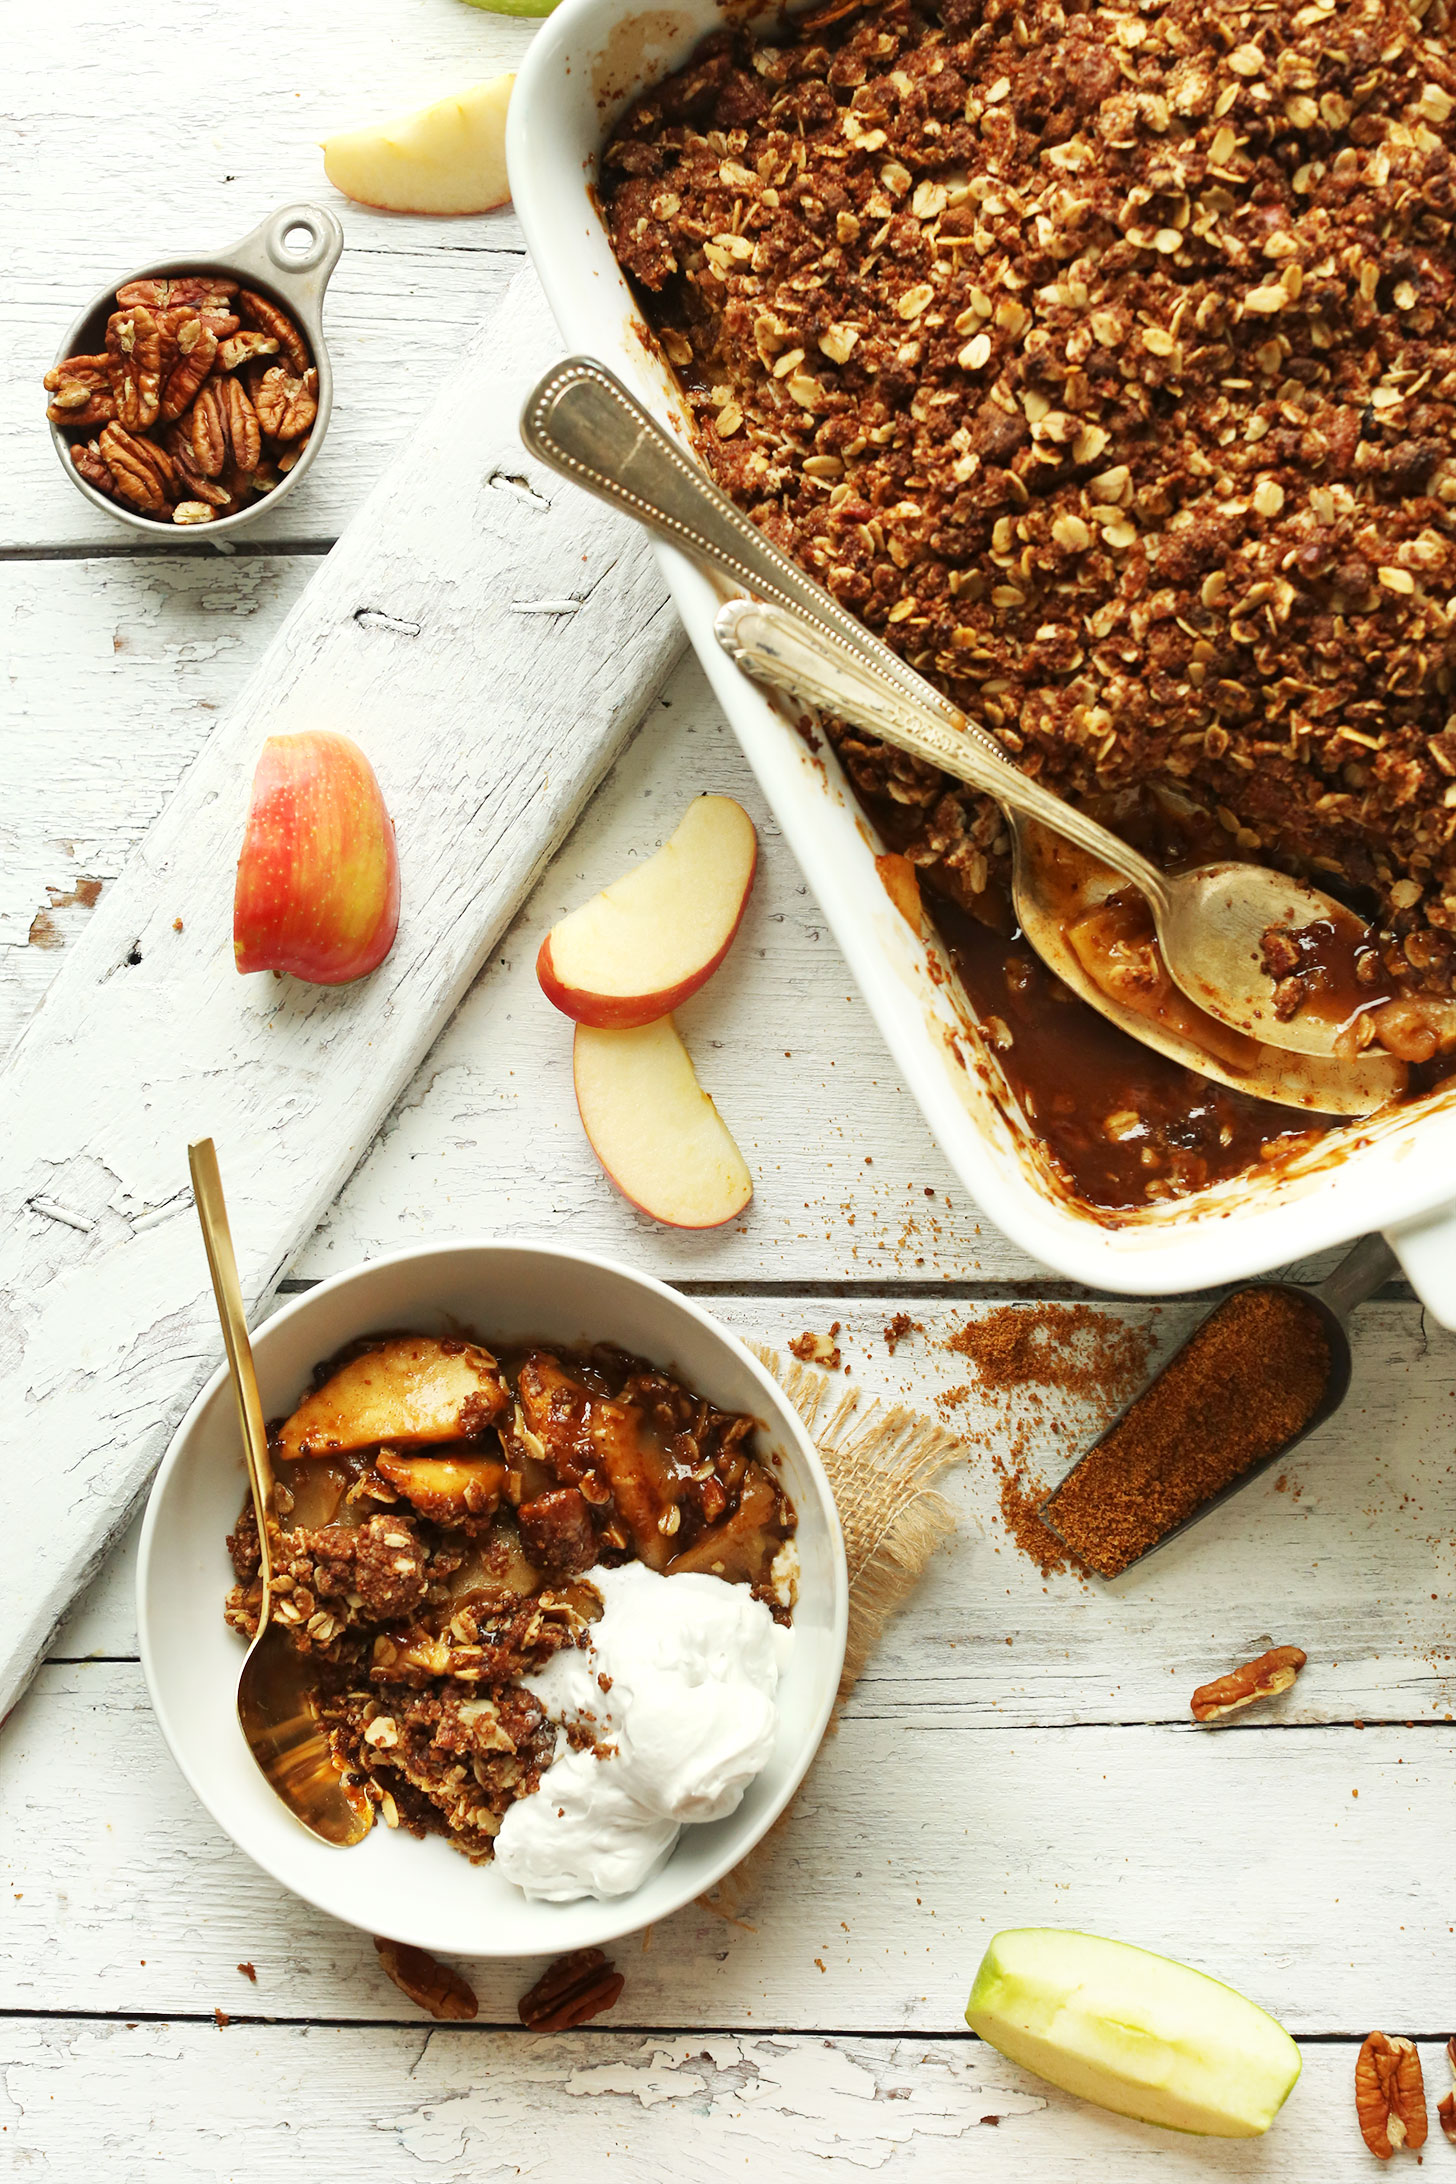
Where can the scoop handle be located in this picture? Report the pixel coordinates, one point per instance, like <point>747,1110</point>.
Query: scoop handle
<point>1359,1274</point>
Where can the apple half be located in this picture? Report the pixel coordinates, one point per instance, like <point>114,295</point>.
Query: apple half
<point>447,158</point>
<point>317,891</point>
<point>1134,2032</point>
<point>636,951</point>
<point>653,1127</point>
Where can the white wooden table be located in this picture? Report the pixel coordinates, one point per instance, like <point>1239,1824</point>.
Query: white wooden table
<point>1020,1751</point>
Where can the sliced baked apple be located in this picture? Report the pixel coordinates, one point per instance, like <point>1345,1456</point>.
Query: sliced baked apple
<point>449,157</point>
<point>410,1391</point>
<point>654,1129</point>
<point>636,951</point>
<point>552,1406</point>
<point>641,1479</point>
<point>741,1548</point>
<point>447,1485</point>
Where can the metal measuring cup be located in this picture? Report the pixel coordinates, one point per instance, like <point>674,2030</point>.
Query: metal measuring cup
<point>1359,1274</point>
<point>266,261</point>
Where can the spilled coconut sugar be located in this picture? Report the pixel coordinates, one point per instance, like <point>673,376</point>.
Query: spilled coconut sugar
<point>1033,1362</point>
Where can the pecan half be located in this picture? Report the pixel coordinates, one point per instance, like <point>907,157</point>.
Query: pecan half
<point>93,466</point>
<point>431,1984</point>
<point>208,430</point>
<point>570,1991</point>
<point>189,345</point>
<point>286,406</point>
<point>134,347</point>
<point>1390,2095</point>
<point>178,442</point>
<point>1263,1678</point>
<point>80,392</point>
<point>268,319</point>
<point>242,424</point>
<point>1446,2114</point>
<point>188,288</point>
<point>142,471</point>
<point>192,512</point>
<point>242,347</point>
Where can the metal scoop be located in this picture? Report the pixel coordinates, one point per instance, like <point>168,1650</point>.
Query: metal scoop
<point>581,421</point>
<point>1359,1274</point>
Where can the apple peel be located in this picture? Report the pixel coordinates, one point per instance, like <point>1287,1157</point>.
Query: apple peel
<point>1137,2033</point>
<point>640,948</point>
<point>317,890</point>
<point>654,1129</point>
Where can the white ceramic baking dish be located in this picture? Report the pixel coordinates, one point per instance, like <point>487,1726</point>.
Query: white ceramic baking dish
<point>1396,1173</point>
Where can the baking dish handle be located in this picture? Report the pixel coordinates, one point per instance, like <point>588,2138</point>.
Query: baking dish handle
<point>1426,1249</point>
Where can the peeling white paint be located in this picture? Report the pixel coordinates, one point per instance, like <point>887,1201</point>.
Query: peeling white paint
<point>148,1036</point>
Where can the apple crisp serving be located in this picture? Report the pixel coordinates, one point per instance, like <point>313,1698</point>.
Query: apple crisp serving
<point>438,1508</point>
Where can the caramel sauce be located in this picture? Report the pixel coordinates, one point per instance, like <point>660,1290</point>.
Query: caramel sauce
<point>1115,1117</point>
<point>1338,967</point>
<point>1117,947</point>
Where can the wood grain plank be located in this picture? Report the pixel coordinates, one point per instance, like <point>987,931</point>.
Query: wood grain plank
<point>1309,1866</point>
<point>82,204</point>
<point>121,667</point>
<point>458,2101</point>
<point>1354,1560</point>
<point>489,733</point>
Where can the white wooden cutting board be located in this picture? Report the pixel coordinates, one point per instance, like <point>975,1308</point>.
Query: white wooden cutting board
<point>490,637</point>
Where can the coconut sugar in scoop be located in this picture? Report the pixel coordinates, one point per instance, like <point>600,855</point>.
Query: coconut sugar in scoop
<point>1268,1365</point>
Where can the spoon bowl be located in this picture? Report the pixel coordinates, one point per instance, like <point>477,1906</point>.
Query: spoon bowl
<point>1066,896</point>
<point>1058,887</point>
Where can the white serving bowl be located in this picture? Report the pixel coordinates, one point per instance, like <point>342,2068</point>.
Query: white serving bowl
<point>1396,1173</point>
<point>391,1884</point>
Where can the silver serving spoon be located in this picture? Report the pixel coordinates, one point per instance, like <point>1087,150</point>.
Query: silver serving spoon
<point>274,1689</point>
<point>582,422</point>
<point>1364,1268</point>
<point>1210,922</point>
<point>1059,876</point>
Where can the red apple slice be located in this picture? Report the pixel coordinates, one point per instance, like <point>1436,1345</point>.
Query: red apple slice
<point>653,1127</point>
<point>636,951</point>
<point>318,879</point>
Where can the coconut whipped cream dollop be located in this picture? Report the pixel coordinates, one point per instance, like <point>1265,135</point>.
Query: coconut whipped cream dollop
<point>676,1688</point>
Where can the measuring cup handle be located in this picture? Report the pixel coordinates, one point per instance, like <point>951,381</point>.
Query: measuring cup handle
<point>300,276</point>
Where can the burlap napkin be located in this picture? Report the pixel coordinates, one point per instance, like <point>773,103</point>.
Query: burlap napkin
<point>881,1459</point>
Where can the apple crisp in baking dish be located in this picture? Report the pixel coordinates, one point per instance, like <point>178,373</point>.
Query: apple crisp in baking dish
<point>438,1508</point>
<point>1102,361</point>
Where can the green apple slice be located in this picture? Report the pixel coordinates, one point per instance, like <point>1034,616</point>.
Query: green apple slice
<point>1133,2032</point>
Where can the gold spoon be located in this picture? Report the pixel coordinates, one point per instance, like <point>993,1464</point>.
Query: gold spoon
<point>1209,922</point>
<point>275,1704</point>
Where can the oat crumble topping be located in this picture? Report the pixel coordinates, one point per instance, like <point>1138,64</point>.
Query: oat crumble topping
<point>1102,360</point>
<point>424,1584</point>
